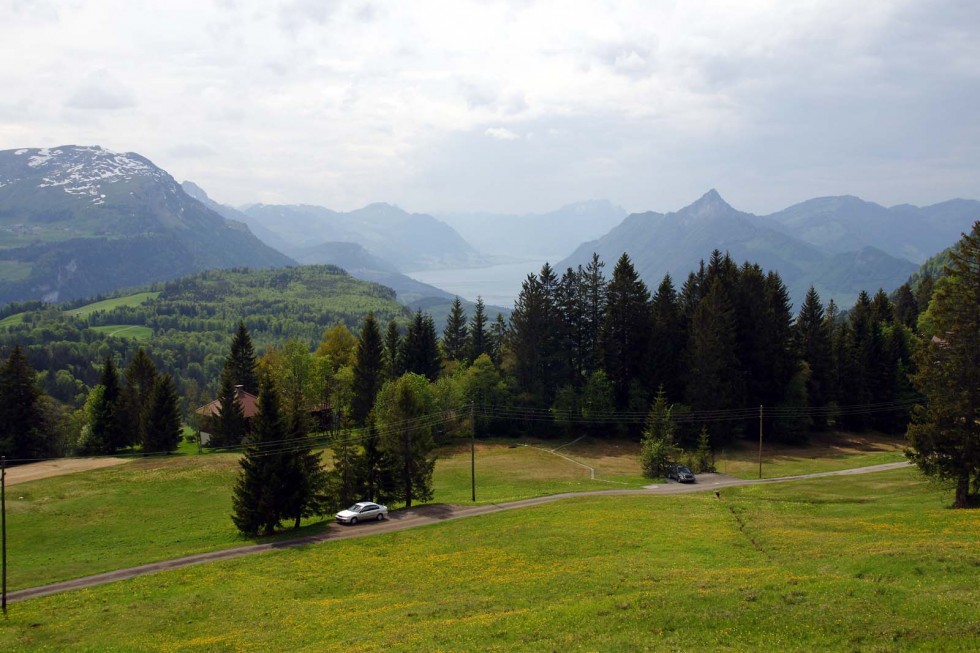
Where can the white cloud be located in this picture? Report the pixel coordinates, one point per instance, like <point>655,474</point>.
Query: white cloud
<point>345,102</point>
<point>501,133</point>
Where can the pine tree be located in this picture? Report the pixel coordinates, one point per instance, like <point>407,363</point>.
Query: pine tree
<point>571,329</point>
<point>667,340</point>
<point>229,424</point>
<point>454,334</point>
<point>625,334</point>
<point>496,339</point>
<point>704,460</point>
<point>477,342</point>
<point>258,500</point>
<point>106,431</point>
<point>140,378</point>
<point>241,361</point>
<point>814,347</point>
<point>393,346</point>
<point>368,369</point>
<point>906,308</point>
<point>527,340</point>
<point>163,423</point>
<point>944,438</point>
<point>593,290</point>
<point>23,431</point>
<point>420,351</point>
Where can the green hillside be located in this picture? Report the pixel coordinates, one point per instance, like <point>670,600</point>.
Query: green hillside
<point>186,324</point>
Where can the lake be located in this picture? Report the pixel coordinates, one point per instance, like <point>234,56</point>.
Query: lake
<point>499,285</point>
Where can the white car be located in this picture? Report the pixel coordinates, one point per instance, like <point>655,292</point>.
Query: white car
<point>362,511</point>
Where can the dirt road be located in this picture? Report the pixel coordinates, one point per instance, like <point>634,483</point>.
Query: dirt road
<point>414,517</point>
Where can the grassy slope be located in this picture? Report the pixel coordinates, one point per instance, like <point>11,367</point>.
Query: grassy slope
<point>116,302</point>
<point>862,563</point>
<point>86,523</point>
<point>140,333</point>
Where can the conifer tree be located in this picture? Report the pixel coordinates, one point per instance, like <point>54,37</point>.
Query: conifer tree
<point>162,434</point>
<point>263,481</point>
<point>704,461</point>
<point>526,339</point>
<point>814,346</point>
<point>667,340</point>
<point>23,431</point>
<point>454,334</point>
<point>944,438</point>
<point>420,351</point>
<point>625,334</point>
<point>496,339</point>
<point>906,308</point>
<point>229,424</point>
<point>106,430</point>
<point>140,378</point>
<point>477,342</point>
<point>393,347</point>
<point>593,289</point>
<point>241,361</point>
<point>368,369</point>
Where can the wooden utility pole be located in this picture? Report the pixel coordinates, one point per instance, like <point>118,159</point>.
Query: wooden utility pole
<point>3,528</point>
<point>760,441</point>
<point>473,450</point>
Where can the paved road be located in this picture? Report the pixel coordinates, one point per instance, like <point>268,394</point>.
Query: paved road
<point>414,517</point>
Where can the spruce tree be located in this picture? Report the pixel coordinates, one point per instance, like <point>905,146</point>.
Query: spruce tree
<point>368,369</point>
<point>906,308</point>
<point>263,482</point>
<point>393,347</point>
<point>107,433</point>
<point>454,334</point>
<point>667,340</point>
<point>140,379</point>
<point>241,361</point>
<point>496,339</point>
<point>944,438</point>
<point>229,424</point>
<point>23,431</point>
<point>163,425</point>
<point>420,351</point>
<point>814,347</point>
<point>658,447</point>
<point>625,334</point>
<point>593,300</point>
<point>477,338</point>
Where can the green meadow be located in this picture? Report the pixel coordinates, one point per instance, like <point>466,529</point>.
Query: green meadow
<point>867,563</point>
<point>116,302</point>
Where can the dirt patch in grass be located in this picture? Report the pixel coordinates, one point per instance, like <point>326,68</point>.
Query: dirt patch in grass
<point>60,467</point>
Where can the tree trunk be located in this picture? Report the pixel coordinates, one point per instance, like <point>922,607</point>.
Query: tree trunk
<point>962,499</point>
<point>297,522</point>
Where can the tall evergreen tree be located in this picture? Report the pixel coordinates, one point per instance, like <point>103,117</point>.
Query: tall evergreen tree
<point>258,500</point>
<point>107,433</point>
<point>163,423</point>
<point>496,338</point>
<point>23,431</point>
<point>140,377</point>
<point>454,334</point>
<point>420,351</point>
<point>714,380</point>
<point>571,324</point>
<point>658,447</point>
<point>393,346</point>
<point>527,340</point>
<point>368,369</point>
<point>625,334</point>
<point>241,361</point>
<point>863,362</point>
<point>229,424</point>
<point>477,342</point>
<point>593,301</point>
<point>944,438</point>
<point>906,308</point>
<point>667,340</point>
<point>814,347</point>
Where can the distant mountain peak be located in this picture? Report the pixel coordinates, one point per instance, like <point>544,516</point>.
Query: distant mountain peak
<point>708,205</point>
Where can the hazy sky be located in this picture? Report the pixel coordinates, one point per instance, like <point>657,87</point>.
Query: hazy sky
<point>509,106</point>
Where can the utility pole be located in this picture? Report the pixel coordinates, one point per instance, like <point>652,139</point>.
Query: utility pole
<point>3,528</point>
<point>760,441</point>
<point>473,450</point>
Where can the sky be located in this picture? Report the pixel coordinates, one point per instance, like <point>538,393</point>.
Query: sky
<point>509,106</point>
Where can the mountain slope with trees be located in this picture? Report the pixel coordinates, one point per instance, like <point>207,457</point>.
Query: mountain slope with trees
<point>79,221</point>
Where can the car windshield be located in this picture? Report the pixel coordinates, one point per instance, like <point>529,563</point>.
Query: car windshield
<point>683,470</point>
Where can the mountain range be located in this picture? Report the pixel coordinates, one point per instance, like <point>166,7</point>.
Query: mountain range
<point>79,221</point>
<point>840,245</point>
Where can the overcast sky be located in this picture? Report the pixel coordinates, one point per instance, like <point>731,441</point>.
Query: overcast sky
<point>509,106</point>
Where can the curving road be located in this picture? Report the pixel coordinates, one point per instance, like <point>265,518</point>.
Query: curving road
<point>412,518</point>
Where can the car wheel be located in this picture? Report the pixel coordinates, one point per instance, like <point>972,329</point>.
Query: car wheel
<point>380,516</point>
<point>353,520</point>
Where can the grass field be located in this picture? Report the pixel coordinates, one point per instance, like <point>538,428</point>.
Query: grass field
<point>868,563</point>
<point>135,332</point>
<point>87,523</point>
<point>13,320</point>
<point>129,300</point>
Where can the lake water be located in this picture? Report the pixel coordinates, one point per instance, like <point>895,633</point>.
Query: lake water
<point>499,285</point>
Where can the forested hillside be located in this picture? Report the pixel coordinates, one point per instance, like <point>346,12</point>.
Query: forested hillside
<point>185,325</point>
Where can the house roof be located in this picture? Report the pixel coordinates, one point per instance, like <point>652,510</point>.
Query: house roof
<point>249,402</point>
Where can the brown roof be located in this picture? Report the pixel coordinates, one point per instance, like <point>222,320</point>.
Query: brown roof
<point>249,402</point>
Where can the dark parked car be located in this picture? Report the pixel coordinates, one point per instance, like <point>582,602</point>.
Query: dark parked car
<point>681,474</point>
